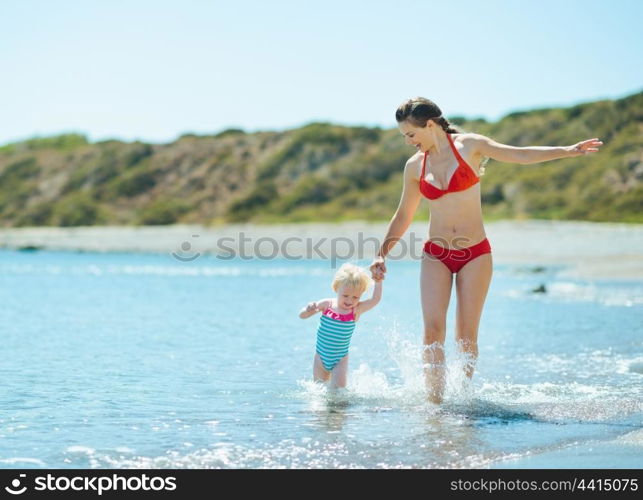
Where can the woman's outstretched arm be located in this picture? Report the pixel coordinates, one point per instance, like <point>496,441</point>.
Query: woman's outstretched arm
<point>402,218</point>
<point>485,146</point>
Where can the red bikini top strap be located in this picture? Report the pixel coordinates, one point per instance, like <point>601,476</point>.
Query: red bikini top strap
<point>423,165</point>
<point>455,151</point>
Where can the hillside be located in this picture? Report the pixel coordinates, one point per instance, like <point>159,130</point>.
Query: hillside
<point>320,172</point>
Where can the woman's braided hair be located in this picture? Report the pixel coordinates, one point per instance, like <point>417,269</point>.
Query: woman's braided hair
<point>419,110</point>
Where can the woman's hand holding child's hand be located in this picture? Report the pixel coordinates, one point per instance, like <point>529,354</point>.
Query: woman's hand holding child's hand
<point>378,269</point>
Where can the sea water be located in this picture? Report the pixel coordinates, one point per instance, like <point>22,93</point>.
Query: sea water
<point>141,360</point>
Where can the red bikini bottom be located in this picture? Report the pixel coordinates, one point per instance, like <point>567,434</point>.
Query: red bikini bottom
<point>455,259</point>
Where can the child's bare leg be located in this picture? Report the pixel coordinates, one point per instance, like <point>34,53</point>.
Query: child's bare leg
<point>339,375</point>
<point>320,374</point>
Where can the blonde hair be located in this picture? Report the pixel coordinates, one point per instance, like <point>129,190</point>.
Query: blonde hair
<point>351,275</point>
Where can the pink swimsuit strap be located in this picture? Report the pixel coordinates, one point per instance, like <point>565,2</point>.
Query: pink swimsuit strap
<point>341,317</point>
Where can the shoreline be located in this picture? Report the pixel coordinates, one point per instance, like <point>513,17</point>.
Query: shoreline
<point>593,250</point>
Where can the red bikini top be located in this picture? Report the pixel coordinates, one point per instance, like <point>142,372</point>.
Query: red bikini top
<point>463,178</point>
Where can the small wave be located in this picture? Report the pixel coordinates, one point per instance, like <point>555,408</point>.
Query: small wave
<point>304,453</point>
<point>80,449</point>
<point>157,270</point>
<point>585,365</point>
<point>124,449</point>
<point>210,271</point>
<point>636,366</point>
<point>575,292</point>
<point>634,438</point>
<point>287,454</point>
<point>544,392</point>
<point>628,366</point>
<point>308,453</point>
<point>23,460</point>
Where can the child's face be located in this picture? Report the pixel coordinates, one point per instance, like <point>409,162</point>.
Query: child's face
<point>348,296</point>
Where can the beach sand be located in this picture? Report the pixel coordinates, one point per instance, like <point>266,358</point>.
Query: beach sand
<point>578,249</point>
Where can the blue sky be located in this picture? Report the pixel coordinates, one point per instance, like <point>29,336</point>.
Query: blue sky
<point>152,70</point>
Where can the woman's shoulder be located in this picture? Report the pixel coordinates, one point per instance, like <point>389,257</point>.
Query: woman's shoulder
<point>413,167</point>
<point>469,139</point>
<point>414,164</point>
<point>471,142</point>
<point>465,136</point>
<point>416,158</point>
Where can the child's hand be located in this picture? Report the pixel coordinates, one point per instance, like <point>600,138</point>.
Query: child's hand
<point>311,307</point>
<point>378,269</point>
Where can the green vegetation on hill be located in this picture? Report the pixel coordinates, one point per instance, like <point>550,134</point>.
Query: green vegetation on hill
<point>319,172</point>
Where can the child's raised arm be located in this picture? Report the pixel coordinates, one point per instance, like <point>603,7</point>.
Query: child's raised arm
<point>365,305</point>
<point>313,308</point>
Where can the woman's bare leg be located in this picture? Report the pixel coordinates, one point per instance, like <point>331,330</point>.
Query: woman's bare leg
<point>472,283</point>
<point>436,281</point>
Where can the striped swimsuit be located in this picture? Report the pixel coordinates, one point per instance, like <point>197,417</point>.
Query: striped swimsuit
<point>334,336</point>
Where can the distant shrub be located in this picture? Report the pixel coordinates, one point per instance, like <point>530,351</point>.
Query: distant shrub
<point>273,165</point>
<point>13,197</point>
<point>162,212</point>
<point>477,122</point>
<point>37,215</point>
<point>77,209</point>
<point>367,134</point>
<point>17,184</point>
<point>323,134</point>
<point>113,158</point>
<point>316,132</point>
<point>263,194</point>
<point>19,170</point>
<point>63,141</point>
<point>136,153</point>
<point>230,131</point>
<point>574,112</point>
<point>493,194</point>
<point>310,191</point>
<point>312,146</point>
<point>134,183</point>
<point>516,114</point>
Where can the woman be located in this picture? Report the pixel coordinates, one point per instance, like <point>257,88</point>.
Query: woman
<point>446,169</point>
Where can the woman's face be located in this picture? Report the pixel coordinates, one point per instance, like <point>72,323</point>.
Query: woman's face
<point>421,138</point>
